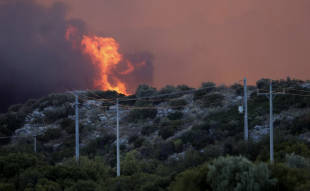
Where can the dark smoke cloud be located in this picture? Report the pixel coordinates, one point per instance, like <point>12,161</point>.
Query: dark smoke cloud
<point>35,59</point>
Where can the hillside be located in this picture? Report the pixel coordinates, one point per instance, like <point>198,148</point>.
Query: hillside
<point>167,137</point>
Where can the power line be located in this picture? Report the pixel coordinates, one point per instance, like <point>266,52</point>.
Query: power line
<point>46,153</point>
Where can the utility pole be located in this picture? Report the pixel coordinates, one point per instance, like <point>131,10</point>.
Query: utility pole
<point>35,135</point>
<point>117,137</point>
<point>271,96</point>
<point>117,140</point>
<point>246,134</point>
<point>77,143</point>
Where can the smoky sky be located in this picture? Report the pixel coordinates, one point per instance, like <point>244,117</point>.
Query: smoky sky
<point>207,40</point>
<point>141,74</point>
<point>35,58</point>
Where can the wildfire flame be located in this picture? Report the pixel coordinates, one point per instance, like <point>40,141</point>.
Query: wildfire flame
<point>105,56</point>
<point>130,68</point>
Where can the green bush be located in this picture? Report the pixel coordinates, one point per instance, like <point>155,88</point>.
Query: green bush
<point>191,180</point>
<point>50,134</point>
<point>52,115</point>
<point>175,116</point>
<point>15,108</point>
<point>183,87</point>
<point>66,123</point>
<point>29,176</point>
<point>177,103</point>
<point>47,185</point>
<point>142,114</point>
<point>288,178</point>
<point>238,173</point>
<point>166,132</point>
<point>138,142</point>
<point>71,129</point>
<point>132,138</point>
<point>239,88</point>
<point>263,83</point>
<point>147,130</point>
<point>208,85</point>
<point>168,89</point>
<point>84,185</point>
<point>296,161</point>
<point>144,90</point>
<point>178,145</point>
<point>7,187</point>
<point>213,99</point>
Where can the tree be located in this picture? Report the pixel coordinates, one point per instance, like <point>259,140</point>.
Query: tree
<point>238,173</point>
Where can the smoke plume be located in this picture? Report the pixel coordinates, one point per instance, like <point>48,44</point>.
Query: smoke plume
<point>35,57</point>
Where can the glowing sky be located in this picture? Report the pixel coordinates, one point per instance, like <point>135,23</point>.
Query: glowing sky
<point>206,40</point>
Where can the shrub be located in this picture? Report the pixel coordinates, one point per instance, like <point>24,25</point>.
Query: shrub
<point>132,138</point>
<point>29,176</point>
<point>60,99</point>
<point>47,185</point>
<point>109,94</point>
<point>238,173</point>
<point>209,85</point>
<point>144,90</point>
<point>166,132</point>
<point>84,185</point>
<point>66,123</point>
<point>205,88</point>
<point>50,134</point>
<point>183,87</point>
<point>7,186</point>
<point>11,121</point>
<point>15,108</point>
<point>71,128</point>
<point>296,161</point>
<point>138,142</point>
<point>178,145</point>
<point>141,114</point>
<point>288,178</point>
<point>147,130</point>
<point>304,187</point>
<point>52,115</point>
<point>191,180</point>
<point>177,103</point>
<point>130,165</point>
<point>213,99</point>
<point>29,106</point>
<point>213,151</point>
<point>263,83</point>
<point>175,116</point>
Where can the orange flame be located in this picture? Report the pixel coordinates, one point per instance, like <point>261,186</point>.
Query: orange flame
<point>105,56</point>
<point>130,68</point>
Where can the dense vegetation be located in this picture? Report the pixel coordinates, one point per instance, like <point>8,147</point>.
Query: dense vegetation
<point>210,155</point>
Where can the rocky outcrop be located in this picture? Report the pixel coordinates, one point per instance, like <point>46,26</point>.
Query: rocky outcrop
<point>258,132</point>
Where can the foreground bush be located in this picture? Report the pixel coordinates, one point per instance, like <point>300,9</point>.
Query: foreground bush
<point>296,161</point>
<point>191,179</point>
<point>238,173</point>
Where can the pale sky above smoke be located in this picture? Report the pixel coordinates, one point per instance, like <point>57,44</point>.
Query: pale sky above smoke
<point>207,40</point>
